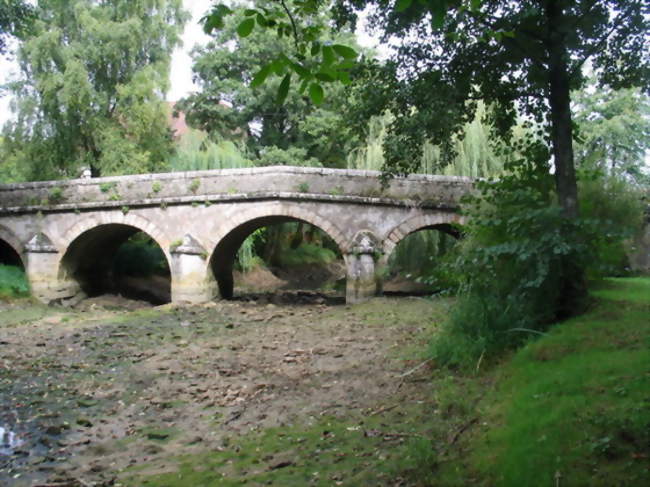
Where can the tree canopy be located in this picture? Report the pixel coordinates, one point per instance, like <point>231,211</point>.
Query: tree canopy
<point>613,131</point>
<point>518,57</point>
<point>232,104</point>
<point>15,18</point>
<point>93,76</point>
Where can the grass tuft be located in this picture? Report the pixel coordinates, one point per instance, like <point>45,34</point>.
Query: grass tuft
<point>13,282</point>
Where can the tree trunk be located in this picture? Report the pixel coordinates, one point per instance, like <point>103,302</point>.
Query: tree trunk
<point>297,238</point>
<point>273,246</point>
<point>560,104</point>
<point>573,288</point>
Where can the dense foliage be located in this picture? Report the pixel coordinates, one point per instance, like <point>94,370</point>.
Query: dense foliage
<point>519,255</point>
<point>232,105</point>
<point>90,92</point>
<point>140,256</point>
<point>613,131</point>
<point>13,281</point>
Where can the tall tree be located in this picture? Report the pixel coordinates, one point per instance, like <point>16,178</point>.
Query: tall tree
<point>91,93</point>
<point>232,104</point>
<point>613,131</point>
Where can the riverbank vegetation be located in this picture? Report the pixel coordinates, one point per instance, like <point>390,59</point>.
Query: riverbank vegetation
<point>570,406</point>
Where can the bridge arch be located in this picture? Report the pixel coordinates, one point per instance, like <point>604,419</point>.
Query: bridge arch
<point>232,235</point>
<point>11,249</point>
<point>90,247</point>
<point>445,222</point>
<point>130,219</point>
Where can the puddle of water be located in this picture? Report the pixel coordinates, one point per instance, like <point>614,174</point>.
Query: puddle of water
<point>8,441</point>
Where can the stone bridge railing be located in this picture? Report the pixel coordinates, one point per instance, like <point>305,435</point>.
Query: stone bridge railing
<point>232,185</point>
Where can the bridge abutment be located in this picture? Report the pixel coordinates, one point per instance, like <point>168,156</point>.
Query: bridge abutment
<point>42,264</point>
<point>362,280</point>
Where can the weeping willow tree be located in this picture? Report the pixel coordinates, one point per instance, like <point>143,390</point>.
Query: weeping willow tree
<point>371,155</point>
<point>196,152</point>
<point>475,157</point>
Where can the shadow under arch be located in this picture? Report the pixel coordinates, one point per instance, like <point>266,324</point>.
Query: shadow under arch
<point>11,250</point>
<point>222,259</point>
<point>90,258</point>
<point>412,252</point>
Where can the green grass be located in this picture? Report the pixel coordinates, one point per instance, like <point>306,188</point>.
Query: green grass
<point>634,289</point>
<point>329,452</point>
<point>13,282</point>
<point>575,403</point>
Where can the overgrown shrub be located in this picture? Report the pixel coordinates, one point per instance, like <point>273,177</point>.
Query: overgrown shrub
<point>523,261</point>
<point>12,281</point>
<point>616,209</point>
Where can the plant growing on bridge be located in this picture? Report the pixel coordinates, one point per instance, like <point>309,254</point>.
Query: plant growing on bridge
<point>106,187</point>
<point>194,185</point>
<point>55,196</point>
<point>175,244</point>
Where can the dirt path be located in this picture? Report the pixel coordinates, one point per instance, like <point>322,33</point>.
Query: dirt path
<point>99,396</point>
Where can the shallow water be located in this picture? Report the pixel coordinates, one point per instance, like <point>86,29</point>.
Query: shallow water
<point>9,441</point>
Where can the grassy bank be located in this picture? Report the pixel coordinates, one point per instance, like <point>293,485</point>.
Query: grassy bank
<point>572,408</point>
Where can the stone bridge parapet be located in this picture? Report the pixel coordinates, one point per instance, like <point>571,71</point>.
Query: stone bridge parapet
<point>273,182</point>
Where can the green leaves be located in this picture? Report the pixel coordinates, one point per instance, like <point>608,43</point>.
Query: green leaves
<point>328,55</point>
<point>438,9</point>
<point>261,76</point>
<point>313,61</point>
<point>215,19</point>
<point>316,93</point>
<point>333,66</point>
<point>283,91</point>
<point>402,5</point>
<point>245,28</point>
<point>344,51</point>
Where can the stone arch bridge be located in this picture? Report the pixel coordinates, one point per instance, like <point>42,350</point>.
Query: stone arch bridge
<point>65,232</point>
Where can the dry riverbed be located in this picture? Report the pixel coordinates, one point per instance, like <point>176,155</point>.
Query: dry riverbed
<point>311,392</point>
